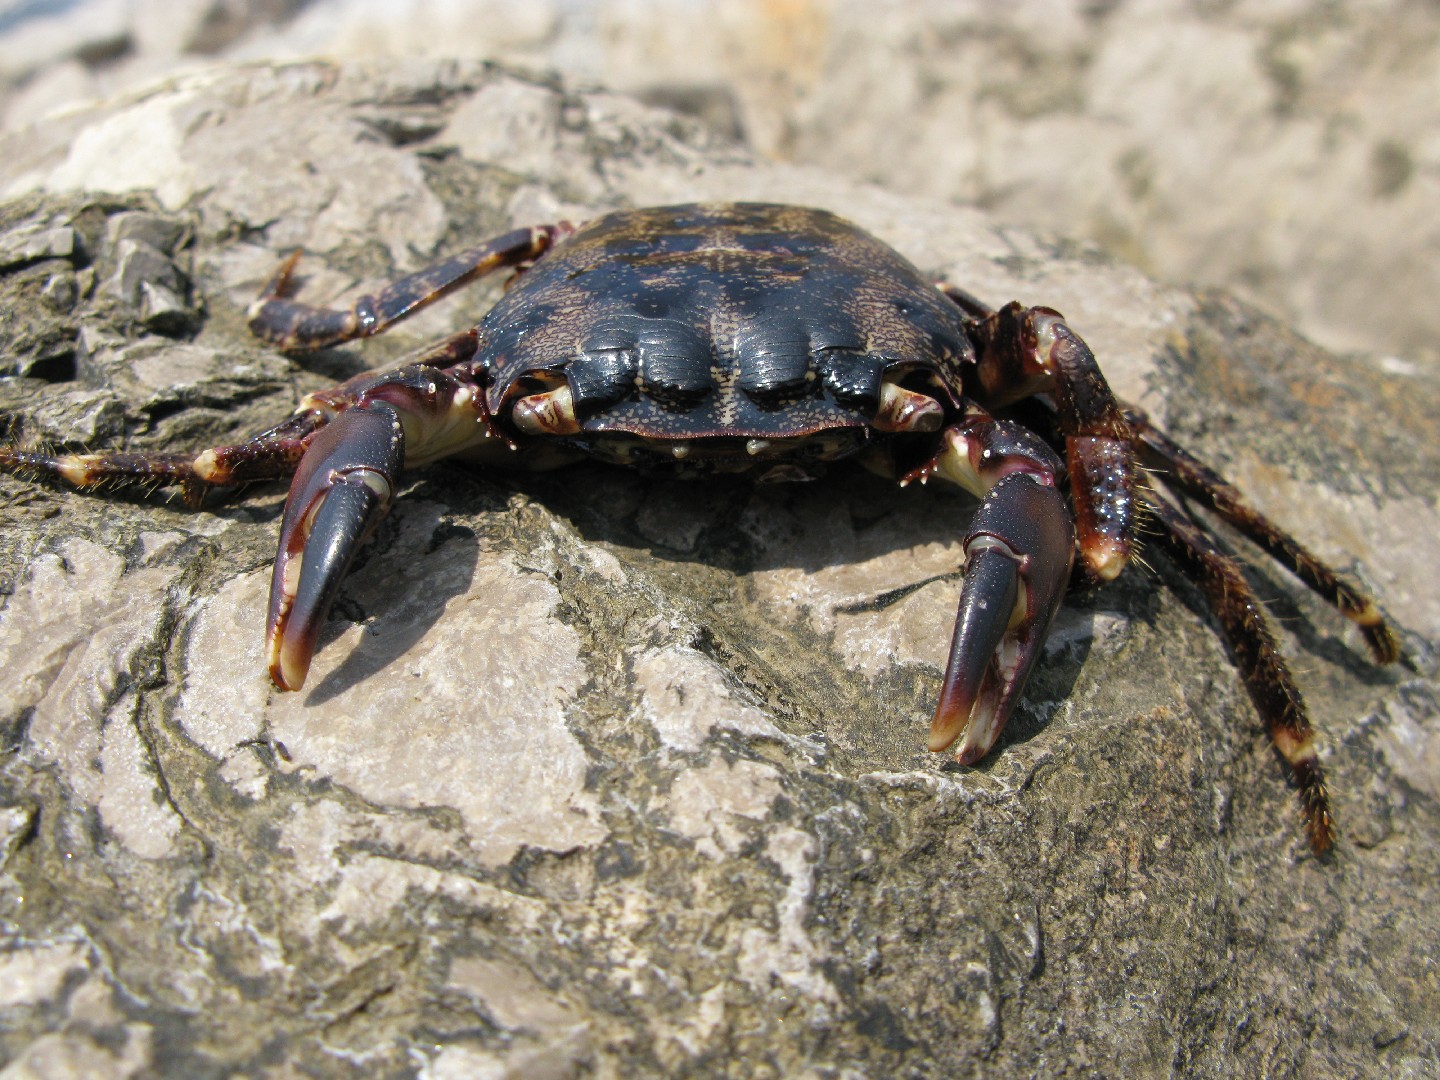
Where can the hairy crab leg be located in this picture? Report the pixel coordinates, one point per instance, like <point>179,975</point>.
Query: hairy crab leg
<point>292,325</point>
<point>105,469</point>
<point>1023,351</point>
<point>1267,677</point>
<point>1018,555</point>
<point>271,455</point>
<point>1183,470</point>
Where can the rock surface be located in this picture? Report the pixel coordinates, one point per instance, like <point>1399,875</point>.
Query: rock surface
<point>601,775</point>
<point>1281,148</point>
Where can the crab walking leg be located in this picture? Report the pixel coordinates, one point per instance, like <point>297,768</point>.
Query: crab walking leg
<point>293,325</point>
<point>271,455</point>
<point>1183,470</point>
<point>1267,678</point>
<point>1018,554</point>
<point>99,470</point>
<point>1024,351</point>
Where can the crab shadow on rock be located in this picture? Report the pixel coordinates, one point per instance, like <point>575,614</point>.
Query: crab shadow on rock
<point>705,530</point>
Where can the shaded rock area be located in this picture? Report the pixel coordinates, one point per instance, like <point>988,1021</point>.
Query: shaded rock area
<point>601,775</point>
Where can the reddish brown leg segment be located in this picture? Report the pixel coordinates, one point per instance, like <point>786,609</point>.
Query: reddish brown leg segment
<point>1197,479</point>
<point>1256,655</point>
<point>1023,351</point>
<point>293,325</point>
<point>105,469</point>
<point>272,455</point>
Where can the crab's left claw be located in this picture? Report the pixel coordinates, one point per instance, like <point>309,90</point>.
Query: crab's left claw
<point>1018,555</point>
<point>340,493</point>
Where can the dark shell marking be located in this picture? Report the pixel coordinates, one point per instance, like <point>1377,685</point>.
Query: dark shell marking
<point>712,320</point>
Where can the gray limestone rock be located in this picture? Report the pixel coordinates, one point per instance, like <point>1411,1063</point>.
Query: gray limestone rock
<point>1280,149</point>
<point>597,775</point>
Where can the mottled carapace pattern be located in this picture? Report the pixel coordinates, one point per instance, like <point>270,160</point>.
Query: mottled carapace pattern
<point>723,320</point>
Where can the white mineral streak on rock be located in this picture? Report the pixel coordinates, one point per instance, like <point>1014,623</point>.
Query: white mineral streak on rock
<point>1412,743</point>
<point>706,1020</point>
<point>134,149</point>
<point>70,638</point>
<point>57,975</point>
<point>452,695</point>
<point>705,802</point>
<point>154,546</point>
<point>35,974</point>
<point>76,1057</point>
<point>819,573</point>
<point>223,700</point>
<point>685,695</point>
<point>511,996</point>
<point>560,1059</point>
<point>129,803</point>
<point>15,825</point>
<point>44,633</point>
<point>344,885</point>
<point>787,954</point>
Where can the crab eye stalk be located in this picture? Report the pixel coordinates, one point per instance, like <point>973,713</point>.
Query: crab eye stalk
<point>550,413</point>
<point>905,410</point>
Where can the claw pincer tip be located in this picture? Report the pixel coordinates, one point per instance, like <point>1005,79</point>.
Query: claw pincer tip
<point>1018,555</point>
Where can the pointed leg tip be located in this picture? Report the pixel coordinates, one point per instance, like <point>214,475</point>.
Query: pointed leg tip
<point>1383,643</point>
<point>1106,560</point>
<point>970,753</point>
<point>288,676</point>
<point>943,734</point>
<point>288,665</point>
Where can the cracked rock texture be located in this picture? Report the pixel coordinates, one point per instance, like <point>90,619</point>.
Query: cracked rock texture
<point>600,775</point>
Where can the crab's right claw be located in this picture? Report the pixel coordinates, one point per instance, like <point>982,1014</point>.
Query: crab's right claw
<point>341,491</point>
<point>1018,555</point>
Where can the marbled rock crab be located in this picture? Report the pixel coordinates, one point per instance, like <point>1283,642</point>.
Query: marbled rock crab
<point>769,340</point>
